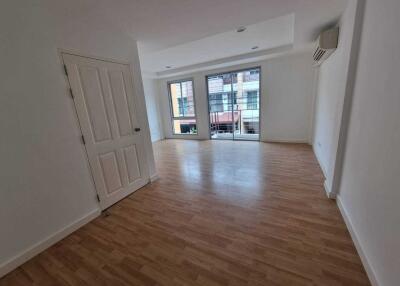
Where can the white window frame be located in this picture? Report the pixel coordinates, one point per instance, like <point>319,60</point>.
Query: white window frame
<point>182,117</point>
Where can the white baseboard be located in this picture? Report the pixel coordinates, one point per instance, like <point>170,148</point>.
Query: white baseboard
<point>354,236</point>
<point>153,178</point>
<point>39,247</point>
<point>295,141</point>
<point>158,140</point>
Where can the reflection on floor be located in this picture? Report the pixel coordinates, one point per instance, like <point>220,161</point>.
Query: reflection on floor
<point>238,136</point>
<point>222,213</point>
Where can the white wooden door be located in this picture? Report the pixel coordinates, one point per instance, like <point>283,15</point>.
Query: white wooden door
<point>105,103</point>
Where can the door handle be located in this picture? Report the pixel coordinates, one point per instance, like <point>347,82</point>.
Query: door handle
<point>137,129</point>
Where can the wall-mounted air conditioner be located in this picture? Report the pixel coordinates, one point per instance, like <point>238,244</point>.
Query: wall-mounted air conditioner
<point>326,44</point>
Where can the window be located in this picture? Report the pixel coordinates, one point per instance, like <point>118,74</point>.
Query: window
<point>229,104</point>
<point>182,103</point>
<point>252,75</point>
<point>182,107</point>
<point>216,103</point>
<point>252,100</point>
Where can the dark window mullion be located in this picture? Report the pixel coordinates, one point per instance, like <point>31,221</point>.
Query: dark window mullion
<point>183,104</point>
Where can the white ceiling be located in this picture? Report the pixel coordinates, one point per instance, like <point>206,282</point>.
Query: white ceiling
<point>160,25</point>
<point>266,36</point>
<point>206,37</point>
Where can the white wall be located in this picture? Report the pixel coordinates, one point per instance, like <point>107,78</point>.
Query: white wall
<point>286,98</point>
<point>45,183</point>
<point>151,94</point>
<point>331,92</point>
<point>370,189</point>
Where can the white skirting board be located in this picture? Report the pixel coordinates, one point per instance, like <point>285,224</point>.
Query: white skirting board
<point>39,247</point>
<point>354,236</point>
<point>154,177</point>
<point>294,141</point>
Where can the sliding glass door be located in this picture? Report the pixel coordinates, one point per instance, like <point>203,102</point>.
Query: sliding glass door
<point>220,106</point>
<point>234,105</point>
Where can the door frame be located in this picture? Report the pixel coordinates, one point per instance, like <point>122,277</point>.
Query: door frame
<point>259,105</point>
<point>60,52</point>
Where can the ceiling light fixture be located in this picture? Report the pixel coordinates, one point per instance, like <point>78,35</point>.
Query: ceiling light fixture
<point>241,29</point>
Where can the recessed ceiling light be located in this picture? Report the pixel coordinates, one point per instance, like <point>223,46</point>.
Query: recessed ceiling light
<point>254,48</point>
<point>168,67</point>
<point>241,29</point>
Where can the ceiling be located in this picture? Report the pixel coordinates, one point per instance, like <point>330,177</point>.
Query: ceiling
<point>264,36</point>
<point>160,25</point>
<point>207,32</point>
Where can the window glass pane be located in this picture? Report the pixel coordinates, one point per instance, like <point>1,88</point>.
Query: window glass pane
<point>183,107</point>
<point>216,103</point>
<point>175,91</point>
<point>182,99</point>
<point>186,126</point>
<point>252,100</point>
<point>187,99</point>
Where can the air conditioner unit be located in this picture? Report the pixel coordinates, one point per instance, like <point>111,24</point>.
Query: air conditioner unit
<point>326,44</point>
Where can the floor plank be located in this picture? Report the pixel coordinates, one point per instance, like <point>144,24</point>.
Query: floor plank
<point>222,213</point>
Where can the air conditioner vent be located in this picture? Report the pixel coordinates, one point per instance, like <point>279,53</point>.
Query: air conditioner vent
<point>326,44</point>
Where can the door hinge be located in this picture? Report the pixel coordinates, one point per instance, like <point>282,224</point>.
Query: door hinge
<point>65,70</point>
<point>83,140</point>
<point>98,197</point>
<point>71,93</point>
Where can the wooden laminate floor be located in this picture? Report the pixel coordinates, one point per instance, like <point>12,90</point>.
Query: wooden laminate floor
<point>222,213</point>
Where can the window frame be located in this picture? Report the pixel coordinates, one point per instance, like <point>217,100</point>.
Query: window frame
<point>260,100</point>
<point>172,117</point>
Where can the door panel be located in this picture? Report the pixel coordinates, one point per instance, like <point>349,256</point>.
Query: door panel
<point>220,99</point>
<point>246,86</point>
<point>94,100</point>
<point>111,174</point>
<point>105,105</point>
<point>131,161</point>
<point>234,103</point>
<point>120,102</point>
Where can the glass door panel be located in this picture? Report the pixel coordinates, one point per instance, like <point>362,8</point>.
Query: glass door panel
<point>246,88</point>
<point>234,102</point>
<point>220,106</point>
